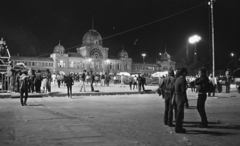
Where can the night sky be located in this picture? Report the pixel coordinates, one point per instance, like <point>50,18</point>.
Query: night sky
<point>34,27</point>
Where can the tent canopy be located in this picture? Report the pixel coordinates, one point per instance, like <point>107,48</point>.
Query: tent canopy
<point>123,73</point>
<point>160,74</point>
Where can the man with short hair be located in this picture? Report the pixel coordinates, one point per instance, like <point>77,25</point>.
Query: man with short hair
<point>202,84</point>
<point>83,79</point>
<point>168,86</point>
<point>180,99</point>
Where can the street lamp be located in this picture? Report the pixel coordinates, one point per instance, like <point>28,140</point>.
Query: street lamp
<point>160,56</point>
<point>143,55</point>
<point>194,40</point>
<point>234,58</point>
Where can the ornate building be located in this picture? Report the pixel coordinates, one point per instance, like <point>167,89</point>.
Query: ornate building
<point>166,63</point>
<point>92,56</point>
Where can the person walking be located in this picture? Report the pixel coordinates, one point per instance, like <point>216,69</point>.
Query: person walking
<point>83,79</point>
<point>180,99</point>
<point>44,82</point>
<point>122,82</point>
<point>59,78</point>
<point>17,83</point>
<point>24,88</point>
<point>135,83</point>
<point>69,83</point>
<point>143,82</point>
<point>139,80</point>
<point>53,78</point>
<point>202,88</point>
<point>130,79</point>
<point>103,79</point>
<point>168,87</point>
<point>31,81</point>
<point>49,80</point>
<point>108,78</point>
<point>37,81</point>
<point>92,80</point>
<point>213,81</point>
<point>228,80</point>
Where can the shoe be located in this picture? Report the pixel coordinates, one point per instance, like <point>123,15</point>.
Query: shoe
<point>22,104</point>
<point>25,104</point>
<point>181,130</point>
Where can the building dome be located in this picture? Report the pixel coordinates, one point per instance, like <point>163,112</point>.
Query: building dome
<point>59,49</point>
<point>123,54</point>
<point>165,57</point>
<point>92,37</point>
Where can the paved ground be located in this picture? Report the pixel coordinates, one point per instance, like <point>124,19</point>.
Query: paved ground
<point>119,120</point>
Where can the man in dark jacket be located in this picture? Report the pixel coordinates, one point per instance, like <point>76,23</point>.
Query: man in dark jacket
<point>202,85</point>
<point>69,82</point>
<point>140,82</point>
<point>168,87</point>
<point>24,88</point>
<point>180,99</point>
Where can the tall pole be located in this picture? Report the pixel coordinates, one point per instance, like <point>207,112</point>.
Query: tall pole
<point>213,51</point>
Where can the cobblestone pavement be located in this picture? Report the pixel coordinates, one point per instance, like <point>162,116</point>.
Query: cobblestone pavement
<point>120,120</point>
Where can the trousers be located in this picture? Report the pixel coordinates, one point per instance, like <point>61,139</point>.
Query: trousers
<point>69,90</point>
<point>179,101</point>
<point>168,113</point>
<point>25,97</point>
<point>201,107</point>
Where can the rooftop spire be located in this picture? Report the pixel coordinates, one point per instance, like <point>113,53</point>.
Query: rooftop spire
<point>165,49</point>
<point>59,42</point>
<point>123,48</point>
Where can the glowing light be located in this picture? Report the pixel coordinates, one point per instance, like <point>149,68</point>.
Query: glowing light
<point>194,39</point>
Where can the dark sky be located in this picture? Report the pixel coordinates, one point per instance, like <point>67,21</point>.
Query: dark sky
<point>40,24</point>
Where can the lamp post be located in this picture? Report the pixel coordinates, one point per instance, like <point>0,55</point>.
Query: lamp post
<point>143,55</point>
<point>160,56</point>
<point>234,59</point>
<point>210,3</point>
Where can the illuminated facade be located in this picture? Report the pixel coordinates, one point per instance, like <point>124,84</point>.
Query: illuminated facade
<point>91,56</point>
